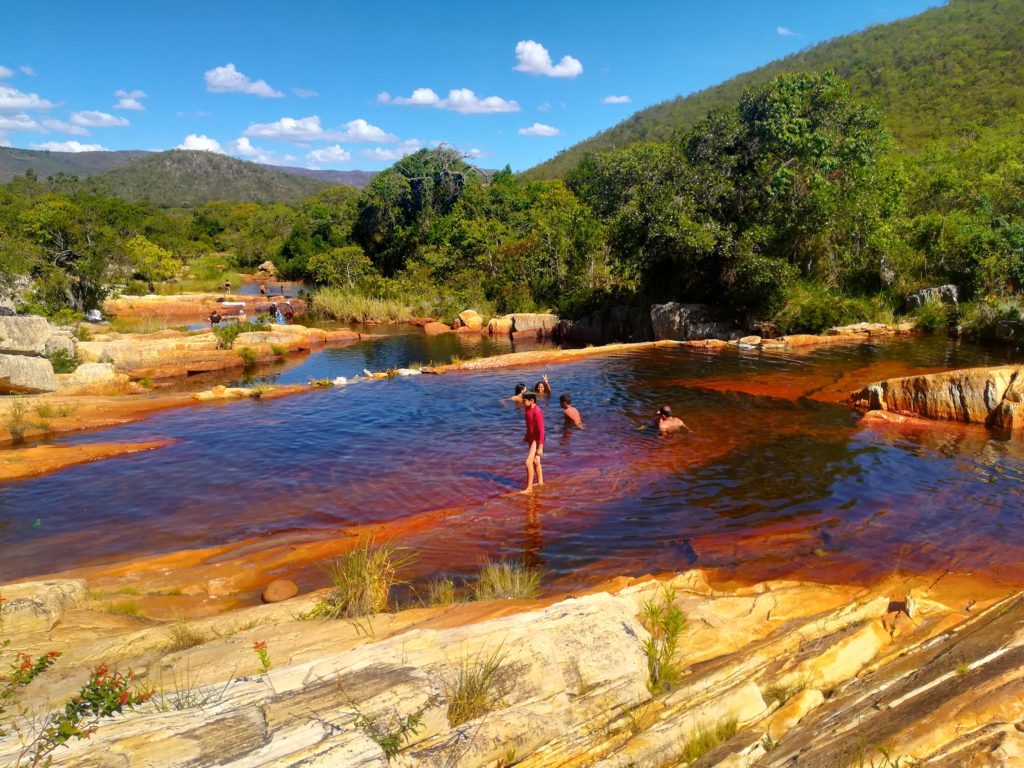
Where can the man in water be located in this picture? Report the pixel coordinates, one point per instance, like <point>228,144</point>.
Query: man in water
<point>666,421</point>
<point>535,439</point>
<point>572,416</point>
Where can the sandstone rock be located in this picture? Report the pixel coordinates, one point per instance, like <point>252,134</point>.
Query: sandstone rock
<point>92,378</point>
<point>471,319</point>
<point>618,324</point>
<point>749,342</point>
<point>434,329</point>
<point>278,590</point>
<point>20,374</point>
<point>500,326</point>
<point>531,322</point>
<point>162,357</point>
<point>37,606</point>
<point>24,335</point>
<point>944,294</point>
<point>267,268</point>
<point>220,392</point>
<point>60,343</point>
<point>793,711</point>
<point>686,322</point>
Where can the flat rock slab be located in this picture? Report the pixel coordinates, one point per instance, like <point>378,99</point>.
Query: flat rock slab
<point>24,335</point>
<point>20,374</point>
<point>37,606</point>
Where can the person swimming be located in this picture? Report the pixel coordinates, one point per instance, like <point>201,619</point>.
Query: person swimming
<point>572,416</point>
<point>543,387</point>
<point>518,395</point>
<point>666,421</point>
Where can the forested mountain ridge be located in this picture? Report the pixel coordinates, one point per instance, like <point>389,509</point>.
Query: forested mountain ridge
<point>946,70</point>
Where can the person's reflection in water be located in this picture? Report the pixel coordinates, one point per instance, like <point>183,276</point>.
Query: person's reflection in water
<point>533,540</point>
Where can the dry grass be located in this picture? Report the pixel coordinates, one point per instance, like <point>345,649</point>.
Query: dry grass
<point>507,580</point>
<point>128,608</point>
<point>349,307</point>
<point>707,738</point>
<point>441,591</point>
<point>476,686</point>
<point>362,579</point>
<point>183,636</point>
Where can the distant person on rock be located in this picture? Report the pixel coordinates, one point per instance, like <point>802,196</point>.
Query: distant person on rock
<point>543,387</point>
<point>287,311</point>
<point>215,318</point>
<point>242,318</point>
<point>535,439</point>
<point>572,416</point>
<point>263,289</point>
<point>227,286</point>
<point>667,422</point>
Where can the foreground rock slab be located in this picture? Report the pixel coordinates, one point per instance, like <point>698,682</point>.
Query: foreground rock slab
<point>17,463</point>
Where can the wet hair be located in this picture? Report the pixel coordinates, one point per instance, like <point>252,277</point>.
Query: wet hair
<point>665,410</point>
<point>520,388</point>
<point>565,400</point>
<point>531,396</point>
<point>542,386</point>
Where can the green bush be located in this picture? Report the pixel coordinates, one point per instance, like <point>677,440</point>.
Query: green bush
<point>934,317</point>
<point>63,361</point>
<point>226,333</point>
<point>979,320</point>
<point>811,308</point>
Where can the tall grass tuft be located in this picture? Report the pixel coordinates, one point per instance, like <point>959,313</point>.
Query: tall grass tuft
<point>182,636</point>
<point>707,738</point>
<point>664,621</point>
<point>352,307</point>
<point>507,580</point>
<point>475,686</point>
<point>362,579</point>
<point>16,419</point>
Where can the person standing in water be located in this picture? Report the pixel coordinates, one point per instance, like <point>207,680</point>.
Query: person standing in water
<point>572,416</point>
<point>535,439</point>
<point>666,421</point>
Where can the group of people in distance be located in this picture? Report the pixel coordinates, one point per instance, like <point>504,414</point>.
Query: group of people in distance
<point>282,314</point>
<point>534,437</point>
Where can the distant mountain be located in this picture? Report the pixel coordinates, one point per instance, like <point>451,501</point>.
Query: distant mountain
<point>932,75</point>
<point>14,162</point>
<point>176,172</point>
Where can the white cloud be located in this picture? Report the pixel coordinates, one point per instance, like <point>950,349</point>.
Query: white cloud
<point>202,142</point>
<point>92,119</point>
<point>13,100</point>
<point>68,146</point>
<point>616,100</point>
<point>393,153</point>
<point>5,72</point>
<point>27,70</point>
<point>59,126</point>
<point>328,156</point>
<point>20,122</point>
<point>786,32</point>
<point>360,130</point>
<point>535,59</point>
<point>304,93</point>
<point>242,147</point>
<point>305,129</point>
<point>227,79</point>
<point>539,129</point>
<point>461,100</point>
<point>130,100</point>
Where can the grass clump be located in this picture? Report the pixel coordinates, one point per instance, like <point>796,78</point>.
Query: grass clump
<point>664,621</point>
<point>362,579</point>
<point>143,324</point>
<point>128,608</point>
<point>783,692</point>
<point>507,580</point>
<point>183,636</point>
<point>934,317</point>
<point>476,686</point>
<point>279,349</point>
<point>16,419</point>
<point>441,591</point>
<point>390,731</point>
<point>226,333</point>
<point>249,357</point>
<point>707,738</point>
<point>353,307</point>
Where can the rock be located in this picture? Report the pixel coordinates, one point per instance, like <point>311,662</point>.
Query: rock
<point>542,324</point>
<point>686,322</point>
<point>92,378</point>
<point>793,711</point>
<point>1009,330</point>
<point>278,590</point>
<point>471,319</point>
<point>618,324</point>
<point>434,329</point>
<point>38,606</point>
<point>990,396</point>
<point>267,268</point>
<point>24,335</point>
<point>749,342</point>
<point>500,326</point>
<point>60,343</point>
<point>944,294</point>
<point>20,374</point>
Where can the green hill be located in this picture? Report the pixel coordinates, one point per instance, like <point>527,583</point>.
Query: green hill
<point>943,71</point>
<point>187,178</point>
<point>15,162</point>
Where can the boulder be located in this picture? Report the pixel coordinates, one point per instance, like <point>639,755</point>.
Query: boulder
<point>92,379</point>
<point>38,606</point>
<point>689,322</point>
<point>24,335</point>
<point>433,329</point>
<point>278,590</point>
<point>542,324</point>
<point>267,268</point>
<point>1009,330</point>
<point>20,374</point>
<point>617,324</point>
<point>471,319</point>
<point>943,294</point>
<point>61,342</point>
<point>500,326</point>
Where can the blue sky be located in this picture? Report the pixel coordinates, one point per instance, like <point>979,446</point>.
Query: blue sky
<point>346,85</point>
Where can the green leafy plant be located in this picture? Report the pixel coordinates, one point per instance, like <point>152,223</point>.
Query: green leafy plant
<point>362,579</point>
<point>664,621</point>
<point>707,738</point>
<point>249,357</point>
<point>390,732</point>
<point>507,580</point>
<point>226,333</point>
<point>476,685</point>
<point>63,361</point>
<point>263,654</point>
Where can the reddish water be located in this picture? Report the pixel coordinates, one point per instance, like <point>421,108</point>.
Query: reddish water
<point>776,478</point>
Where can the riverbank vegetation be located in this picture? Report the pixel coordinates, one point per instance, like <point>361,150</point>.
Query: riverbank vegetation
<point>793,206</point>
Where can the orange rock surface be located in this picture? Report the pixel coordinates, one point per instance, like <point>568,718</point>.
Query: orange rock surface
<point>43,459</point>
